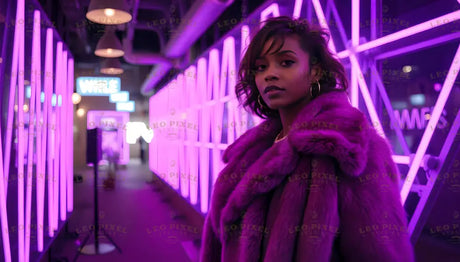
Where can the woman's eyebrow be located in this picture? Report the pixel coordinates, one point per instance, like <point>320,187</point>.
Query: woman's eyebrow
<point>279,53</point>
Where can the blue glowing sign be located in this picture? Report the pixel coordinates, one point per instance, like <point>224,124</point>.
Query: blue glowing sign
<point>122,96</point>
<point>126,106</point>
<point>98,86</point>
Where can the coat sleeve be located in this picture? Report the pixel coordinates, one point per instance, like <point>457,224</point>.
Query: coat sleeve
<point>373,223</point>
<point>211,247</point>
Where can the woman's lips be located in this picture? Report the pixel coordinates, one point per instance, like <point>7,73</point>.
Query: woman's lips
<point>274,92</point>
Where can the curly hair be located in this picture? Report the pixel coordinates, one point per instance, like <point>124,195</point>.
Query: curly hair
<point>312,39</point>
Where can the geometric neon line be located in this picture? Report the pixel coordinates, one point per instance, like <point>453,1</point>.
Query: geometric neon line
<point>433,23</point>
<point>389,108</point>
<point>433,177</point>
<point>31,129</point>
<point>429,130</point>
<point>271,9</point>
<point>21,136</point>
<point>297,8</point>
<point>419,45</point>
<point>367,98</point>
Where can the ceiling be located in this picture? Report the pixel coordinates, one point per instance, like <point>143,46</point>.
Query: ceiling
<point>155,23</point>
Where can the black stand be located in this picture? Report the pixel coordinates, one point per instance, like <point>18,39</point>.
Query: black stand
<point>96,248</point>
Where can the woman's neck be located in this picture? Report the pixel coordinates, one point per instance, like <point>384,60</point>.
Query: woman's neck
<point>289,114</point>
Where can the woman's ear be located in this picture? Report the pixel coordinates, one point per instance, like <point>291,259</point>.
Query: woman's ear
<point>316,73</point>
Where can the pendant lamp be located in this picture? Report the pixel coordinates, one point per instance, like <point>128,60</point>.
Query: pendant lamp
<point>111,66</point>
<point>109,45</point>
<point>108,12</point>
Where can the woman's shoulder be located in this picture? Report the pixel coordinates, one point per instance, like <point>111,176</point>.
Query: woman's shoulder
<point>256,136</point>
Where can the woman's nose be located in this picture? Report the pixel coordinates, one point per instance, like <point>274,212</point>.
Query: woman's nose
<point>270,74</point>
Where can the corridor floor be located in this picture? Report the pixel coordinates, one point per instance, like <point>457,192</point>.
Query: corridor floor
<point>136,214</point>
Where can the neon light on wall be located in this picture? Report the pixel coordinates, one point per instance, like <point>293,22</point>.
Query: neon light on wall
<point>122,96</point>
<point>98,86</point>
<point>129,106</point>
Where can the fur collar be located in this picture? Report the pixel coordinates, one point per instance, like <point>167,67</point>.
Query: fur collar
<point>328,125</point>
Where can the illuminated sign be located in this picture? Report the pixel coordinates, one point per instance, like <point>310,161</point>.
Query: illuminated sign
<point>126,106</point>
<point>134,130</point>
<point>98,86</point>
<point>112,123</point>
<point>122,96</point>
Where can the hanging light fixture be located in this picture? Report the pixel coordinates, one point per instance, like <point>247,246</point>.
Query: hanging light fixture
<point>109,45</point>
<point>111,66</point>
<point>109,12</point>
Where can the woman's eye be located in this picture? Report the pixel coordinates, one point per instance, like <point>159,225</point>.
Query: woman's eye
<point>260,68</point>
<point>287,62</point>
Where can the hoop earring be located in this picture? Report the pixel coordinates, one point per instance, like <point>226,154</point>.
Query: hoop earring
<point>260,103</point>
<point>319,89</point>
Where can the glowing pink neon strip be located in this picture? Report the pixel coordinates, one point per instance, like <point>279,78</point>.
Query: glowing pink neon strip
<point>11,101</point>
<point>215,109</point>
<point>323,22</point>
<point>62,90</point>
<point>47,138</point>
<point>429,130</point>
<point>21,143</point>
<point>401,159</point>
<point>355,42</point>
<point>70,87</point>
<point>297,8</point>
<point>35,91</point>
<point>191,134</point>
<point>3,213</point>
<point>272,9</point>
<point>4,177</point>
<point>204,134</point>
<point>57,135</point>
<point>228,80</point>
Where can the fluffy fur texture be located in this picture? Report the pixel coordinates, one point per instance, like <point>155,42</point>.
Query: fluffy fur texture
<point>339,202</point>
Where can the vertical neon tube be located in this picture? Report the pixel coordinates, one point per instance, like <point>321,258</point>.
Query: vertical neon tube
<point>429,130</point>
<point>62,91</point>
<point>297,8</point>
<point>47,133</point>
<point>20,21</point>
<point>70,86</point>
<point>4,176</point>
<point>11,101</point>
<point>204,135</point>
<point>35,70</point>
<point>56,137</point>
<point>355,42</point>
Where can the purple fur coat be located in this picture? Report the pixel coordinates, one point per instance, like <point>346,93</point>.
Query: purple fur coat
<point>337,193</point>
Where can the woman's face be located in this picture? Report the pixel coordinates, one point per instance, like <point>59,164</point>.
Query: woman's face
<point>284,78</point>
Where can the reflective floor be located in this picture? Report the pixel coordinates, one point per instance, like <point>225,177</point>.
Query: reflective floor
<point>140,216</point>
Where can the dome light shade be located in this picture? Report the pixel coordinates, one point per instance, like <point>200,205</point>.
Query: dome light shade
<point>111,66</point>
<point>108,12</point>
<point>109,45</point>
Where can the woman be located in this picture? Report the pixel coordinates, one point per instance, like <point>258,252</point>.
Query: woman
<point>314,182</point>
